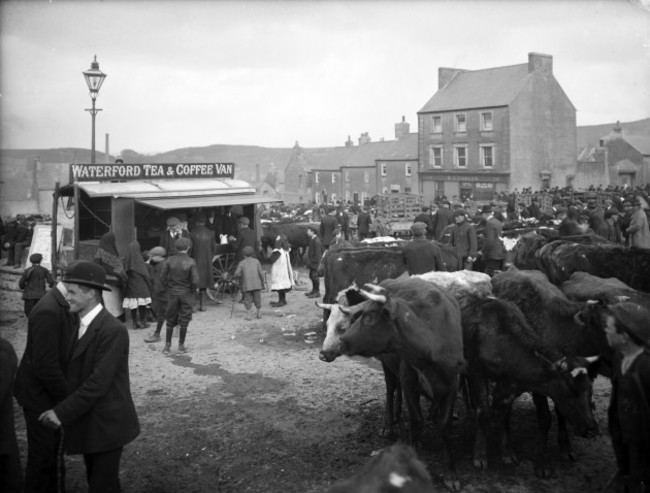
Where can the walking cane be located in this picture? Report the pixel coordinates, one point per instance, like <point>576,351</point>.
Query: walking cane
<point>234,299</point>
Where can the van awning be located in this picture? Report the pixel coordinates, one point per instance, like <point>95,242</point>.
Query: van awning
<point>206,201</point>
<point>167,188</point>
<point>180,194</point>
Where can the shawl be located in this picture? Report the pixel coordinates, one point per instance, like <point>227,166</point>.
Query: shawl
<point>134,262</point>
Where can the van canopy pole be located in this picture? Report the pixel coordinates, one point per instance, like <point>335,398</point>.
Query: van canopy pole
<point>55,212</point>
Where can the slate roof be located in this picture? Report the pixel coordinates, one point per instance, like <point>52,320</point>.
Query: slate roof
<point>640,142</point>
<point>479,89</point>
<point>330,158</point>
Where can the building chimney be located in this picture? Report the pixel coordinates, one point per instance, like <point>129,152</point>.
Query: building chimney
<point>106,157</point>
<point>349,143</point>
<point>539,62</point>
<point>402,128</point>
<point>364,138</point>
<point>445,74</point>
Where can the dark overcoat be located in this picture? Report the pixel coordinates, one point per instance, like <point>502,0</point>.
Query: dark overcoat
<point>98,414</point>
<point>40,380</point>
<point>203,252</point>
<point>493,248</point>
<point>421,255</point>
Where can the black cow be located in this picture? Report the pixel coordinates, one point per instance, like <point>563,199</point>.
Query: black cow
<point>501,347</point>
<point>296,233</point>
<point>559,259</point>
<point>573,328</point>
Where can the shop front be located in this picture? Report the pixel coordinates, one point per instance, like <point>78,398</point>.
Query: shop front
<point>135,200</point>
<point>478,186</point>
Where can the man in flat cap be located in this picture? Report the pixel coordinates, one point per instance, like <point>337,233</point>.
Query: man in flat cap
<point>246,237</point>
<point>421,255</point>
<point>638,231</point>
<point>628,333</point>
<point>463,239</point>
<point>173,232</point>
<point>97,415</point>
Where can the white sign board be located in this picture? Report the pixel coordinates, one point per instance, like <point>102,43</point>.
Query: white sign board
<point>42,243</point>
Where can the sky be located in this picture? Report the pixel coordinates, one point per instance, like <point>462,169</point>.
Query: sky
<point>196,73</point>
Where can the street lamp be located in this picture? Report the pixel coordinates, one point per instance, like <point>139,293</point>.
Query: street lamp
<point>94,79</point>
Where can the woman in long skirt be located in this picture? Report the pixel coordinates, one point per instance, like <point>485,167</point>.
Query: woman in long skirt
<point>138,286</point>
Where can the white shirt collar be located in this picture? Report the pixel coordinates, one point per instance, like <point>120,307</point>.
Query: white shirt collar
<point>87,319</point>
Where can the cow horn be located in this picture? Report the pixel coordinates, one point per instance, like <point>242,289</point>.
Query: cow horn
<point>324,306</point>
<point>592,359</point>
<point>592,302</point>
<point>379,298</point>
<point>622,298</point>
<point>373,287</point>
<point>344,309</point>
<point>577,319</point>
<point>578,371</point>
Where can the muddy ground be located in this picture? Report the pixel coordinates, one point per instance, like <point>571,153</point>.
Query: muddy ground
<point>251,408</point>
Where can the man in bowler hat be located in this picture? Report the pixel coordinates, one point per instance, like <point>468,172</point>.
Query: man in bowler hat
<point>41,384</point>
<point>98,415</point>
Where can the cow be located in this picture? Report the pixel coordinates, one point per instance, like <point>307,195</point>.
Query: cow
<point>573,328</point>
<point>559,259</point>
<point>337,323</point>
<point>369,264</point>
<point>460,283</point>
<point>296,233</point>
<point>457,283</point>
<point>421,323</point>
<point>582,286</point>
<point>394,469</point>
<point>500,347</point>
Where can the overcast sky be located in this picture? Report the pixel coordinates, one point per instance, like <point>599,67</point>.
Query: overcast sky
<point>196,73</point>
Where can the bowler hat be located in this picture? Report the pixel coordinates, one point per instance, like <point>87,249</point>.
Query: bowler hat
<point>635,319</point>
<point>460,212</point>
<point>486,209</point>
<point>87,274</point>
<point>173,221</point>
<point>35,258</point>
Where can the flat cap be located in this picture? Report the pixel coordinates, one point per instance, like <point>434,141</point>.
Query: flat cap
<point>181,244</point>
<point>635,318</point>
<point>173,221</point>
<point>418,228</point>
<point>158,251</point>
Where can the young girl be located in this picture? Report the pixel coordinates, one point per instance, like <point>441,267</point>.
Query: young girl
<point>281,271</point>
<point>138,286</point>
<point>251,278</point>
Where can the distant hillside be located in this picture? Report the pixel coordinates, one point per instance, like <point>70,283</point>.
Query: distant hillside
<point>591,134</point>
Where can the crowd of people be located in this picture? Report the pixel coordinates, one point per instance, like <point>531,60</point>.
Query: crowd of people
<point>73,375</point>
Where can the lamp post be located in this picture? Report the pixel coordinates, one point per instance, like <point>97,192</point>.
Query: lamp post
<point>94,79</point>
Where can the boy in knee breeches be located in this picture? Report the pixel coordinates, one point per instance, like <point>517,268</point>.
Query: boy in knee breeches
<point>251,279</point>
<point>180,277</point>
<point>159,294</point>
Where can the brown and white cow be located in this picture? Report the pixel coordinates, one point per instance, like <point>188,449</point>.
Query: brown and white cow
<point>421,324</point>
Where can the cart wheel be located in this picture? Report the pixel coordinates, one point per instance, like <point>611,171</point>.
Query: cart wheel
<point>223,268</point>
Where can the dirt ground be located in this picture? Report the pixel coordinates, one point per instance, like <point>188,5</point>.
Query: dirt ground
<point>251,408</point>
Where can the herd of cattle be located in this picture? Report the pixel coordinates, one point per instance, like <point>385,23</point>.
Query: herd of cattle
<point>536,327</point>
